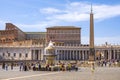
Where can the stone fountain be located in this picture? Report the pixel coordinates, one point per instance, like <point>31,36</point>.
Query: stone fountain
<point>50,54</point>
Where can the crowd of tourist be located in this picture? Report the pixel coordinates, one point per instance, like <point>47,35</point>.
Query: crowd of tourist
<point>108,63</point>
<point>37,66</point>
<point>6,65</point>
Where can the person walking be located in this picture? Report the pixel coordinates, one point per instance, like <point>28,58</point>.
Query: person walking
<point>6,66</point>
<point>21,66</point>
<point>12,66</point>
<point>39,66</point>
<point>69,67</point>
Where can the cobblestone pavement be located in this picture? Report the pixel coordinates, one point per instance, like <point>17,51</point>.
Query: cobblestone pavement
<point>84,73</point>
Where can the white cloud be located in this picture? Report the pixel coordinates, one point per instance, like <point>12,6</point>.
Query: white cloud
<point>73,12</point>
<point>79,11</point>
<point>41,26</point>
<point>49,10</point>
<point>70,17</point>
<point>106,11</point>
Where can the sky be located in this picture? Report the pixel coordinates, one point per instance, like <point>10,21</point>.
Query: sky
<point>37,15</point>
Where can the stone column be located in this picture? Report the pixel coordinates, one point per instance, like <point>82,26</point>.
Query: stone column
<point>109,53</point>
<point>79,55</point>
<point>64,55</point>
<point>118,55</point>
<point>82,55</point>
<point>114,55</point>
<point>67,54</point>
<point>42,54</point>
<point>38,54</point>
<point>70,55</point>
<point>61,53</point>
<point>33,54</point>
<point>73,55</point>
<point>57,54</point>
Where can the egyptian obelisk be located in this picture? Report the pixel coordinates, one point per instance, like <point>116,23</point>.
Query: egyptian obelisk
<point>92,52</point>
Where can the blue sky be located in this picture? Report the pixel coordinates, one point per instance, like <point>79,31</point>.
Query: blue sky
<point>36,15</point>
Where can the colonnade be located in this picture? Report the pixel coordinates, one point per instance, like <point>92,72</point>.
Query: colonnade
<point>72,54</point>
<point>36,54</point>
<point>83,55</point>
<point>63,53</point>
<point>109,54</point>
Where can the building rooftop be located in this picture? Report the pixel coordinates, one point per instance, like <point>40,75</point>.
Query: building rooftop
<point>35,32</point>
<point>64,27</point>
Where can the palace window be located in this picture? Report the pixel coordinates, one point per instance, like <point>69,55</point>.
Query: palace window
<point>3,54</point>
<point>8,54</point>
<point>26,55</point>
<point>14,54</point>
<point>20,55</point>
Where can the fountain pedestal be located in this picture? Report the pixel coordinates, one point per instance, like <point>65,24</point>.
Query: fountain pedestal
<point>50,54</point>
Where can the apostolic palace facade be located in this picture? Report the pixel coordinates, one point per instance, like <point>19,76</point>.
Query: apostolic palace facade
<point>18,45</point>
